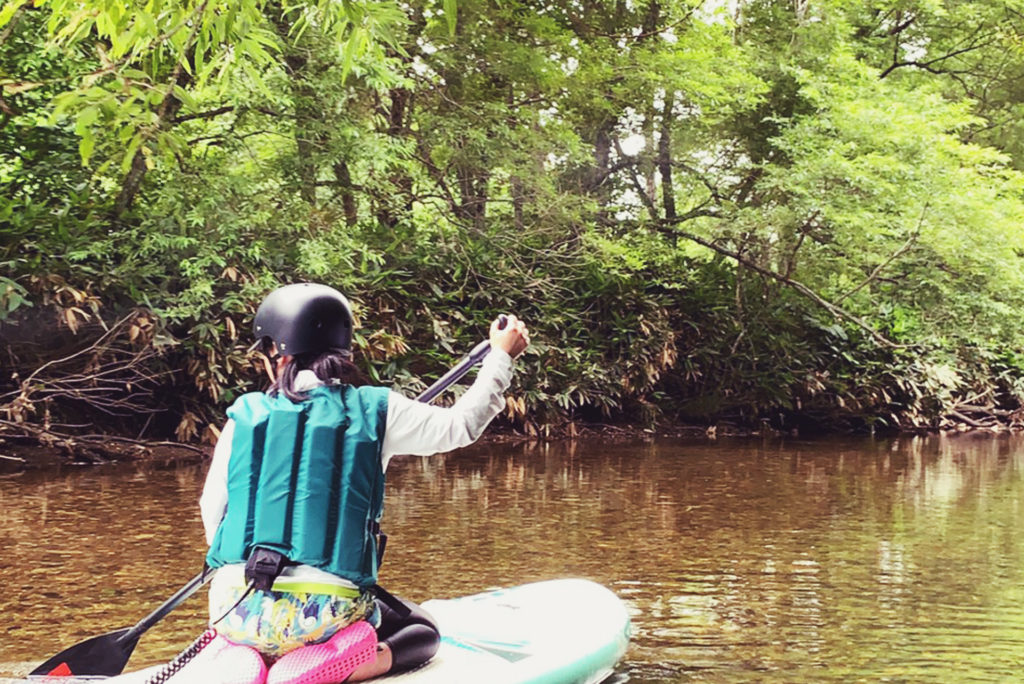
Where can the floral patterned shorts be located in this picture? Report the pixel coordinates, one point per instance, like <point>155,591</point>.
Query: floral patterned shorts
<point>276,622</point>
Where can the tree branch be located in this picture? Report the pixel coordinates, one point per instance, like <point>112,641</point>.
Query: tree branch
<point>95,440</point>
<point>791,261</point>
<point>203,115</point>
<point>5,34</point>
<point>927,65</point>
<point>892,257</point>
<point>807,292</point>
<point>637,185</point>
<point>164,115</point>
<point>878,269</point>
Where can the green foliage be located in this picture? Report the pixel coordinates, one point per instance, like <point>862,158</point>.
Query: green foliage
<point>763,211</point>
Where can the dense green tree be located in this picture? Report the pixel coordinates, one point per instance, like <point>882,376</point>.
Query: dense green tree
<point>762,211</point>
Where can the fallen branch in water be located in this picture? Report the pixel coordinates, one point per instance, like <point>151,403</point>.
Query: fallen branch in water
<point>986,417</point>
<point>112,375</point>
<point>93,441</point>
<point>113,378</point>
<point>970,421</point>
<point>988,410</point>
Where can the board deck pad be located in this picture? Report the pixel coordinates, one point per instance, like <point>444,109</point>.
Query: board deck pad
<point>563,631</point>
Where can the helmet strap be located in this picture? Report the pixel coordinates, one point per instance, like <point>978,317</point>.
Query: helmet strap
<point>268,366</point>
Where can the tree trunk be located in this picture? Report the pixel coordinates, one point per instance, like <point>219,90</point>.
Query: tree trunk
<point>165,113</point>
<point>668,196</point>
<point>390,211</point>
<point>598,185</point>
<point>130,186</point>
<point>307,113</point>
<point>517,203</point>
<point>348,198</point>
<point>473,190</point>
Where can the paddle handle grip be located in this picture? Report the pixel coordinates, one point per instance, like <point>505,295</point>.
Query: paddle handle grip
<point>461,368</point>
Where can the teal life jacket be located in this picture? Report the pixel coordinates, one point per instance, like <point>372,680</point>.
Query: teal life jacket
<point>305,480</point>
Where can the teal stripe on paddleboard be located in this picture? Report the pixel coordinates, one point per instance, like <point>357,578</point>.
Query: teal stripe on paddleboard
<point>592,668</point>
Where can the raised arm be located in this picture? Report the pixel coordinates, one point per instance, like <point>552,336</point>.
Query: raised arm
<point>419,429</point>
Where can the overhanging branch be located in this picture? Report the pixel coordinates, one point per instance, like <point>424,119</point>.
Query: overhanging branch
<point>807,292</point>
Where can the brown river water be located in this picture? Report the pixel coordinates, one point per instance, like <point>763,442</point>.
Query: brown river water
<point>896,560</point>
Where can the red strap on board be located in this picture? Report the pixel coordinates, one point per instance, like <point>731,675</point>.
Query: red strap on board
<point>61,670</point>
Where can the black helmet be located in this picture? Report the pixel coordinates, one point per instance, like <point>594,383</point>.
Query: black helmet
<point>303,318</point>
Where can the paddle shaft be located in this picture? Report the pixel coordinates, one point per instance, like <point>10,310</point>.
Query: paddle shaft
<point>170,604</point>
<point>461,368</point>
<point>444,382</point>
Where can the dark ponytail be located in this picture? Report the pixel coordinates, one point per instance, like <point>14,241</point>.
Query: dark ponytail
<point>330,367</point>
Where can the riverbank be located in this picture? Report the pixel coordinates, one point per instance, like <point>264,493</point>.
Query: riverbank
<point>18,453</point>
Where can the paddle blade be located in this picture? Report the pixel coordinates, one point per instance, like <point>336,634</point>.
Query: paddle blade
<point>106,654</point>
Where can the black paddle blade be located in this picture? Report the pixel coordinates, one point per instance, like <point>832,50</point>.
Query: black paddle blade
<point>106,654</point>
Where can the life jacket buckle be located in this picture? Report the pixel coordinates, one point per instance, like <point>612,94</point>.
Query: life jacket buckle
<point>263,567</point>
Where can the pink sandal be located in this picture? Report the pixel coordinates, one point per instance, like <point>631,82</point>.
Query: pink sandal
<point>330,662</point>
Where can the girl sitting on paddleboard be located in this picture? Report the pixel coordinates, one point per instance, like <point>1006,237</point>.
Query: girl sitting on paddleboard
<point>293,499</point>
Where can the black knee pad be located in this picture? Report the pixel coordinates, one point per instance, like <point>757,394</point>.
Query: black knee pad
<point>412,646</point>
<point>413,638</point>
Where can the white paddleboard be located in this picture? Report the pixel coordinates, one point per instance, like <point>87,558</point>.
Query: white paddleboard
<point>569,631</point>
<point>564,631</point>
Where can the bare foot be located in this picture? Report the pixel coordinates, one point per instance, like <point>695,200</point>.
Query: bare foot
<point>374,669</point>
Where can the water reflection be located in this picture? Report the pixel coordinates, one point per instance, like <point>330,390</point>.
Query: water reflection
<point>877,560</point>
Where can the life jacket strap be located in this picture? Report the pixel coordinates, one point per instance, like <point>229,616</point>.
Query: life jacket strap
<point>391,601</point>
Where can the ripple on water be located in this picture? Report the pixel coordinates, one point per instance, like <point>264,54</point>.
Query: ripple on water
<point>739,561</point>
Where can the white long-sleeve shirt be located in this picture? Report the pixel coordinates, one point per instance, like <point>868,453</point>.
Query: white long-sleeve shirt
<point>412,428</point>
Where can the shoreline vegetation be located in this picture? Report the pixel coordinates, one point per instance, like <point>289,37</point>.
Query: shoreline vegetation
<point>21,453</point>
<point>756,217</point>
